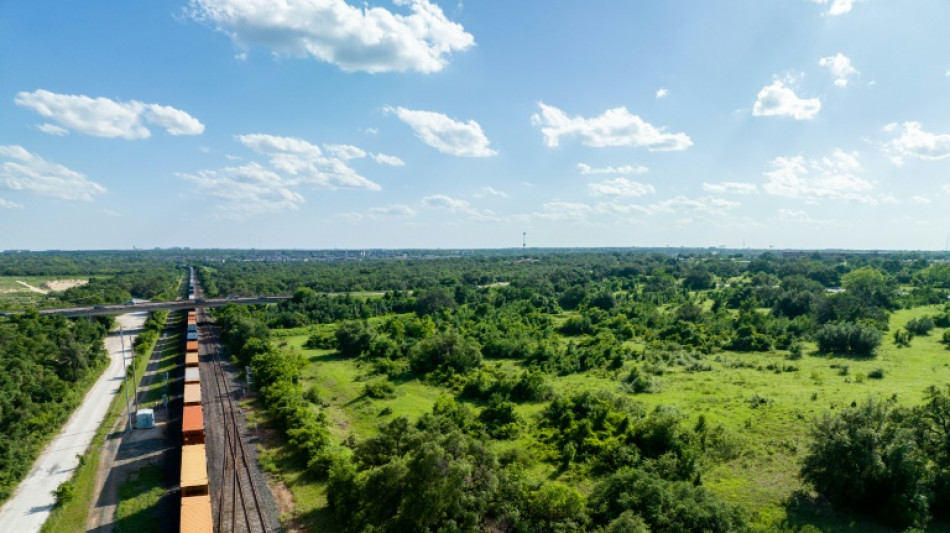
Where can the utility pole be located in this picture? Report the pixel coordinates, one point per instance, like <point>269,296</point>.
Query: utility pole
<point>135,390</point>
<point>125,379</point>
<point>524,244</point>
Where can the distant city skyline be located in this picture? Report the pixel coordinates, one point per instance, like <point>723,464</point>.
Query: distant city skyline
<point>793,124</point>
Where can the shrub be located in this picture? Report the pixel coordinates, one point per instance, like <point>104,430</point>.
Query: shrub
<point>637,381</point>
<point>877,373</point>
<point>849,338</point>
<point>920,326</point>
<point>902,338</point>
<point>665,506</point>
<point>380,389</point>
<point>64,493</point>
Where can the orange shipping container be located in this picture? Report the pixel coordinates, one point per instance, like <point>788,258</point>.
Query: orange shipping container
<point>191,346</point>
<point>194,471</point>
<point>196,514</point>
<point>191,359</point>
<point>193,394</point>
<point>193,425</point>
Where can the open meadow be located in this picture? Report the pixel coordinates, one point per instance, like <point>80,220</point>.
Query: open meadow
<point>765,403</point>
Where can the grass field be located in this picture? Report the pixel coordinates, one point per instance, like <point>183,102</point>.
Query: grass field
<point>15,295</point>
<point>764,402</point>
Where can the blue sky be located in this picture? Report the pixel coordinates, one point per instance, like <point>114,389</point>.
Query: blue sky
<point>421,123</point>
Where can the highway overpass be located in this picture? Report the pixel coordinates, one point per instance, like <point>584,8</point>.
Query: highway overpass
<point>118,309</point>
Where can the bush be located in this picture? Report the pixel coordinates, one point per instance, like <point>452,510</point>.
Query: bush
<point>64,493</point>
<point>320,340</point>
<point>877,373</point>
<point>665,506</point>
<point>380,389</point>
<point>637,381</point>
<point>848,338</point>
<point>902,338</point>
<point>920,326</point>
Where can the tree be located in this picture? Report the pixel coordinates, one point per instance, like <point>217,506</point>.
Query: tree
<point>448,350</point>
<point>869,286</point>
<point>573,297</point>
<point>433,301</point>
<point>354,337</point>
<point>864,459</point>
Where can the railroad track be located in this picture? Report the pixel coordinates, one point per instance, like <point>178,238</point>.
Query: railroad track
<point>235,500</point>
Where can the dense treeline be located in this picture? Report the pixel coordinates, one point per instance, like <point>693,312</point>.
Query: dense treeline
<point>156,283</point>
<point>45,363</point>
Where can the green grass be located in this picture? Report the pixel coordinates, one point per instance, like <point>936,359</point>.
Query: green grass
<point>138,498</point>
<point>171,358</point>
<point>771,438</point>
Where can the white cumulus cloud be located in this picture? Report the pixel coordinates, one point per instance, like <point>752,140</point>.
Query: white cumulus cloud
<point>566,211</point>
<point>730,187</point>
<point>490,191</point>
<point>22,170</point>
<point>708,205</point>
<point>463,139</point>
<point>52,129</point>
<point>390,160</point>
<point>103,117</point>
<point>912,141</point>
<point>292,163</point>
<point>840,67</point>
<point>397,210</point>
<point>833,177</point>
<point>247,190</point>
<point>355,38</point>
<point>620,187</point>
<point>7,204</point>
<point>623,169</point>
<point>836,7</point>
<point>441,201</point>
<point>779,100</point>
<point>615,127</point>
<point>303,163</point>
<point>801,217</point>
<point>662,93</point>
<point>345,151</point>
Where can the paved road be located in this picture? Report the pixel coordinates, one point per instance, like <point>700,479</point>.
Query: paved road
<point>30,505</point>
<point>144,305</point>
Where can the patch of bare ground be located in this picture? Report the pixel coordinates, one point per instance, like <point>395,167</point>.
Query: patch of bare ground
<point>32,288</point>
<point>57,285</point>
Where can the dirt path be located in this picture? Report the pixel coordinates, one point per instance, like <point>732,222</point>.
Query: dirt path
<point>33,500</point>
<point>125,453</point>
<point>33,288</point>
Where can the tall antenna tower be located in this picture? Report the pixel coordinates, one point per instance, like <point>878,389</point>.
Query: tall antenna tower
<point>524,244</point>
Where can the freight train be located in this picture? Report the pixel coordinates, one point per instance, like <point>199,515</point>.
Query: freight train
<point>195,498</point>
